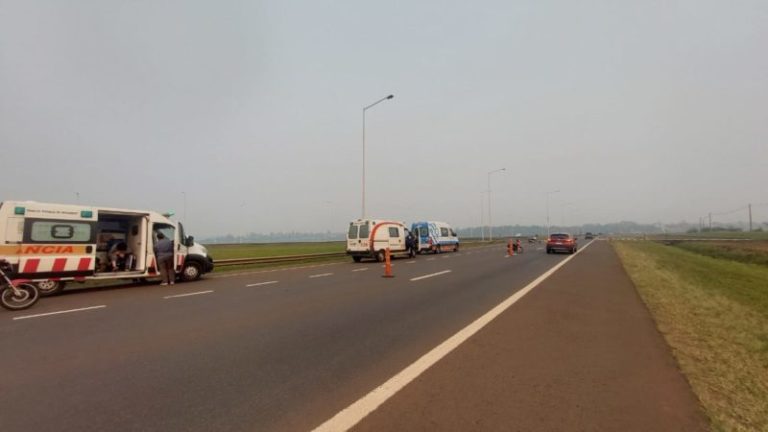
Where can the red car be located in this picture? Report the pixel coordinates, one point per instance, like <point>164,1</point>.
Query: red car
<point>561,242</point>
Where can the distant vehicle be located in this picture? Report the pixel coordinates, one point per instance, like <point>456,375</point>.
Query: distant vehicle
<point>589,236</point>
<point>435,237</point>
<point>369,238</point>
<point>533,239</point>
<point>50,244</point>
<point>562,242</point>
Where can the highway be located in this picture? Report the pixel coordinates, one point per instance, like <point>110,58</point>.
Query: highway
<point>288,349</point>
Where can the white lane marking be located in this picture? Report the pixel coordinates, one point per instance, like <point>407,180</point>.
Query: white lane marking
<point>351,415</point>
<point>430,275</point>
<point>431,259</point>
<point>58,312</point>
<point>410,262</point>
<point>262,283</point>
<point>446,256</point>
<point>321,275</point>
<point>360,269</point>
<point>188,294</point>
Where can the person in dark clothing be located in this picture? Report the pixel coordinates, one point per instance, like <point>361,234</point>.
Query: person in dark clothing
<point>410,244</point>
<point>164,254</point>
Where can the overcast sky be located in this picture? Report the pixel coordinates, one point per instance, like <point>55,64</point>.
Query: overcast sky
<point>635,110</point>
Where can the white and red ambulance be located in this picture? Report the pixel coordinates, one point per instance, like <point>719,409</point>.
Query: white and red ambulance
<point>49,244</point>
<point>369,238</point>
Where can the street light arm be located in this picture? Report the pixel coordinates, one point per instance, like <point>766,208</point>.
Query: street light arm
<point>378,102</point>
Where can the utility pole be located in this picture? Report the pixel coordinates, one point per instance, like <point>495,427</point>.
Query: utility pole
<point>750,216</point>
<point>701,222</point>
<point>710,221</point>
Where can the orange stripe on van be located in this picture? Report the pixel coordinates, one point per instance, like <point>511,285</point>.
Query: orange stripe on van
<point>42,249</point>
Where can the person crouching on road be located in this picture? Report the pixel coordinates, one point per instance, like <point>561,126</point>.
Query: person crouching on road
<point>164,254</point>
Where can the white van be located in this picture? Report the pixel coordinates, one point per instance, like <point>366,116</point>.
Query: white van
<point>53,243</point>
<point>435,237</point>
<point>369,238</point>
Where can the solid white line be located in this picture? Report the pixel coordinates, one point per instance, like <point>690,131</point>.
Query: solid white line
<point>410,262</point>
<point>351,415</point>
<point>430,275</point>
<point>58,312</point>
<point>320,275</point>
<point>360,269</point>
<point>262,283</point>
<point>188,294</point>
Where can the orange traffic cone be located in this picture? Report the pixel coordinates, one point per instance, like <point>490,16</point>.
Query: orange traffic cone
<point>510,251</point>
<point>387,264</point>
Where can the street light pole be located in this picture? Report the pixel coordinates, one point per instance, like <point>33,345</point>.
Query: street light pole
<point>364,110</point>
<point>548,194</point>
<point>490,225</point>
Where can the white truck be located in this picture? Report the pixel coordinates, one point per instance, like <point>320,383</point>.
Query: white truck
<point>369,238</point>
<point>49,244</point>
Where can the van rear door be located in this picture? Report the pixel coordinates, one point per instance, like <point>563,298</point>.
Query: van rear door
<point>53,249</point>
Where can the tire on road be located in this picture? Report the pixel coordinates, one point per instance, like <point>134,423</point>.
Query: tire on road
<point>49,287</point>
<point>192,271</point>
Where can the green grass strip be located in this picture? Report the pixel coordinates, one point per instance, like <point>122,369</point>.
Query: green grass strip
<point>714,315</point>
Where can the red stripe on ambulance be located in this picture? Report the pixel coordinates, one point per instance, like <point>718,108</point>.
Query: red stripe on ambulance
<point>59,264</point>
<point>85,264</point>
<point>31,265</point>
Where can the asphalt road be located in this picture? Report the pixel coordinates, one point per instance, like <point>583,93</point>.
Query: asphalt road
<point>280,350</point>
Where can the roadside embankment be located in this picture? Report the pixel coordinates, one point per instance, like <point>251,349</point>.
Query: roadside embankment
<point>713,312</point>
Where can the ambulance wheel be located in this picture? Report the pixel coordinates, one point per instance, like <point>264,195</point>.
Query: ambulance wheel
<point>439,249</point>
<point>49,287</point>
<point>191,271</point>
<point>380,256</point>
<point>357,258</point>
<point>456,249</point>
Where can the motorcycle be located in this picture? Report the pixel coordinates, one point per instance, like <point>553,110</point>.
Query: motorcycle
<point>15,296</point>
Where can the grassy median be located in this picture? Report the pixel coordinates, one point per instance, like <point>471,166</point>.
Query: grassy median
<point>713,312</point>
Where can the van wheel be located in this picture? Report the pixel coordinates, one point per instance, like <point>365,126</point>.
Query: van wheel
<point>439,249</point>
<point>456,249</point>
<point>49,287</point>
<point>191,271</point>
<point>380,256</point>
<point>357,258</point>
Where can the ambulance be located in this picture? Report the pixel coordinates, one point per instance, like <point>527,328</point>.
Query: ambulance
<point>369,238</point>
<point>435,237</point>
<point>50,244</point>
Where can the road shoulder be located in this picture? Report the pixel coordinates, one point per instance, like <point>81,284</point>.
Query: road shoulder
<point>580,352</point>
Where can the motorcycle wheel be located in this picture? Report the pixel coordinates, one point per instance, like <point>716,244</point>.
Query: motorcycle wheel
<point>26,297</point>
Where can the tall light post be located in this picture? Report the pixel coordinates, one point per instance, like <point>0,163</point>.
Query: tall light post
<point>364,110</point>
<point>184,195</point>
<point>548,194</point>
<point>490,225</point>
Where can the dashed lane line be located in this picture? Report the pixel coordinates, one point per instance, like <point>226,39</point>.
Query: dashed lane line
<point>262,283</point>
<point>188,294</point>
<point>430,275</point>
<point>58,312</point>
<point>360,269</point>
<point>320,275</point>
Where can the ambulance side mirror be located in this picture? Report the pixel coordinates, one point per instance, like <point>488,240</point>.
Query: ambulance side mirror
<point>190,241</point>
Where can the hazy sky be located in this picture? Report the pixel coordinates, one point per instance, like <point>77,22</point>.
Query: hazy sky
<point>637,110</point>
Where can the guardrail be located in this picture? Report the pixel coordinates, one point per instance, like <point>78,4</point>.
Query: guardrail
<point>275,259</point>
<point>305,257</point>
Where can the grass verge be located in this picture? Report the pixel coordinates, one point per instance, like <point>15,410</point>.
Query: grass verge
<point>714,315</point>
<point>749,252</point>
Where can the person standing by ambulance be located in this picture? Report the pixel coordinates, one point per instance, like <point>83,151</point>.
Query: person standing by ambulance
<point>164,254</point>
